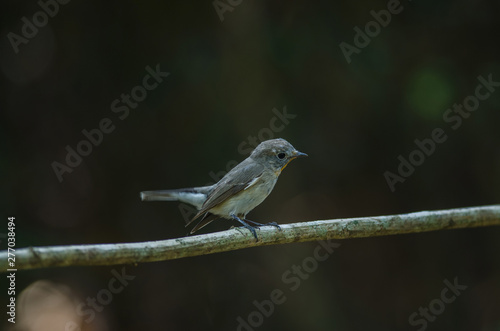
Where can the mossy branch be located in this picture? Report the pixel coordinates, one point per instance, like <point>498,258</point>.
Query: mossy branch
<point>239,238</point>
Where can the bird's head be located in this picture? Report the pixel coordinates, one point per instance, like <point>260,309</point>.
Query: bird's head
<point>276,154</point>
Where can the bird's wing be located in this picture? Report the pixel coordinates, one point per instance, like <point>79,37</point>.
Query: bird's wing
<point>239,178</point>
<point>208,218</point>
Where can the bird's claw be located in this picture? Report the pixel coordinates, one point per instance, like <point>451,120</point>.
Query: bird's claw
<point>248,226</point>
<point>260,224</point>
<point>275,225</point>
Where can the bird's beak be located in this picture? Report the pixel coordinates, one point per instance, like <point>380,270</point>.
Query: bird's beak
<point>298,154</point>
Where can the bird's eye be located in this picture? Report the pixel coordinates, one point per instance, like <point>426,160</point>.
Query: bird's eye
<point>281,156</point>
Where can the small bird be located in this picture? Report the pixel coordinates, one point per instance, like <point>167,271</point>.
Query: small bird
<point>239,191</point>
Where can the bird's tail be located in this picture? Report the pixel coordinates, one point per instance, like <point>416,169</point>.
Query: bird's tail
<point>195,196</point>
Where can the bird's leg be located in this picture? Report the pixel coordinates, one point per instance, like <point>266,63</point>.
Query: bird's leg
<point>248,226</point>
<point>257,224</point>
<point>260,224</point>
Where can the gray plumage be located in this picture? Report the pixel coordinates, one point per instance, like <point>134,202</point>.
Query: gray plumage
<point>240,190</point>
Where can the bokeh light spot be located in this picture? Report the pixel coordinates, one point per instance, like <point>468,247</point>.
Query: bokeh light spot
<point>429,93</point>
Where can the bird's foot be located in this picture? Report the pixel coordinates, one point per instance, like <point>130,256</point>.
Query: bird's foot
<point>260,224</point>
<point>246,225</point>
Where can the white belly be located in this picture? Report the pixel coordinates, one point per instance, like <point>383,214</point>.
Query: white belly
<point>243,202</point>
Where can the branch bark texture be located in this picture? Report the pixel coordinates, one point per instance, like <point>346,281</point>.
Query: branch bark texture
<point>239,238</point>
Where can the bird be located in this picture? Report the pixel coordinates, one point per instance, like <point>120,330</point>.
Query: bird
<point>242,189</point>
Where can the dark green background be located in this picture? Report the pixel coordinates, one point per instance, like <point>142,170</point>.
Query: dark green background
<point>225,79</point>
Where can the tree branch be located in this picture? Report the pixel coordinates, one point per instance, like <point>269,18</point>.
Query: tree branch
<point>238,238</point>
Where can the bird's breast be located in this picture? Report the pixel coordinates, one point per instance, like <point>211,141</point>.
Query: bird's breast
<point>246,200</point>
